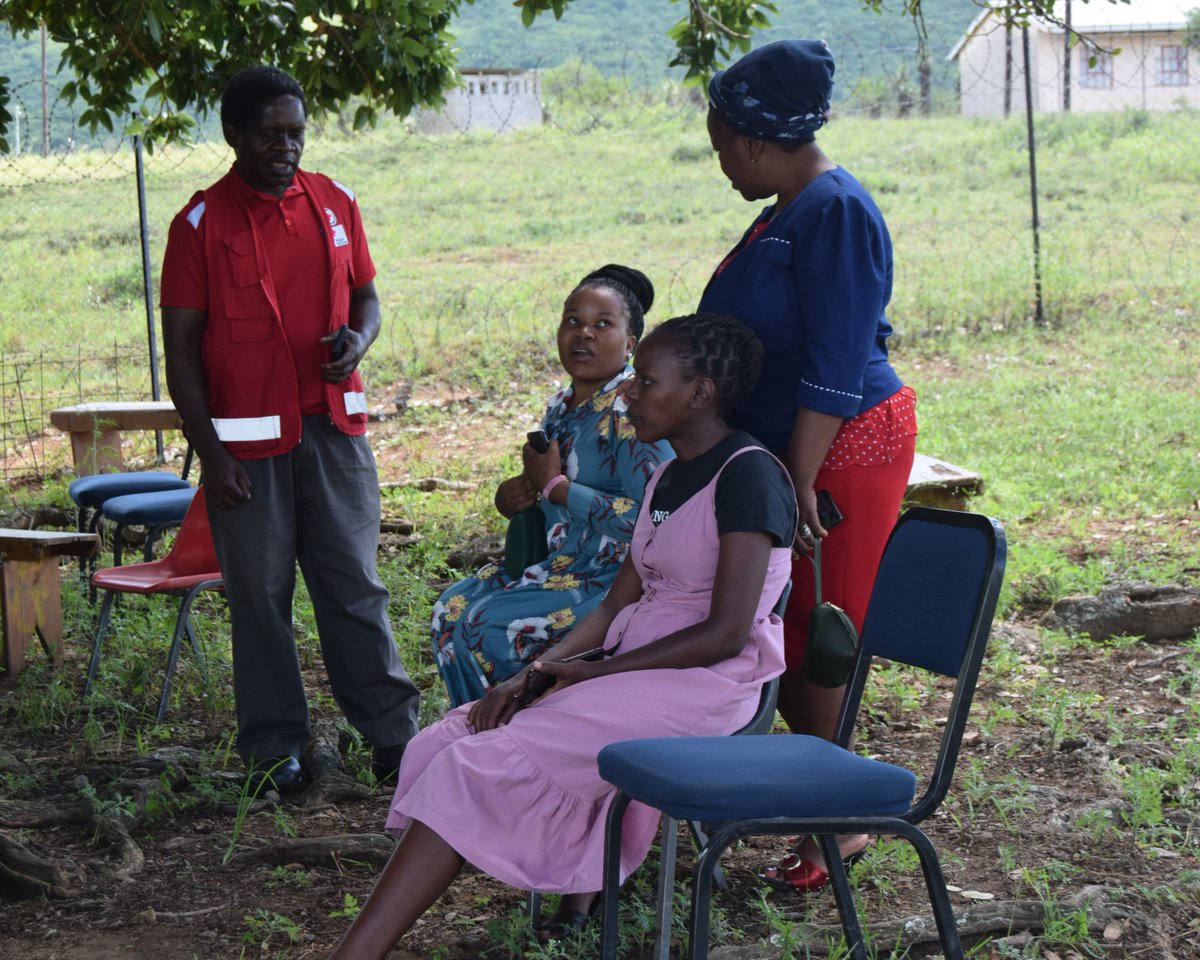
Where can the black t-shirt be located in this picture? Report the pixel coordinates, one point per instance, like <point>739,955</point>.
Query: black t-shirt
<point>753,493</point>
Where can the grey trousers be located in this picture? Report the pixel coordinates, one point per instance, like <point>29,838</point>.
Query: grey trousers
<point>317,505</point>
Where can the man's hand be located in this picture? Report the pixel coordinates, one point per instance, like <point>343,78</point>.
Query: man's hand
<point>354,349</point>
<point>225,482</point>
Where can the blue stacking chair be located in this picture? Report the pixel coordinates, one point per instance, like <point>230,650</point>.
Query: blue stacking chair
<point>932,608</point>
<point>92,493</point>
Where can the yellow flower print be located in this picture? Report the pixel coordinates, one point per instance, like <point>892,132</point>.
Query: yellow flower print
<point>622,505</point>
<point>604,400</point>
<point>561,562</point>
<point>562,581</point>
<point>561,619</point>
<point>455,606</point>
<point>488,571</point>
<point>603,428</point>
<point>625,430</point>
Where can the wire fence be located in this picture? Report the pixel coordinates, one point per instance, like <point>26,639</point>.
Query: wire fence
<point>69,197</point>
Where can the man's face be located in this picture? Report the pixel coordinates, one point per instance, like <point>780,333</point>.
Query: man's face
<point>268,150</point>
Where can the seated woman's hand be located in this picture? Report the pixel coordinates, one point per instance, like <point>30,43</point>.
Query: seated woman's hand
<point>541,468</point>
<point>496,707</point>
<point>566,674</point>
<point>516,494</point>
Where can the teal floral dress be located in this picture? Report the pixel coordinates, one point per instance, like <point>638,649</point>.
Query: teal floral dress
<point>489,626</point>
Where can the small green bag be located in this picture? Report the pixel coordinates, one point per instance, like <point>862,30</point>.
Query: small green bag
<point>525,541</point>
<point>832,639</point>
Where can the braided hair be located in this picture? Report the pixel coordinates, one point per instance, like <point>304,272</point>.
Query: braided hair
<point>632,286</point>
<point>250,88</point>
<point>719,347</point>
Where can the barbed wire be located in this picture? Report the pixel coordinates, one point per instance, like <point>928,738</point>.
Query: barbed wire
<point>79,198</point>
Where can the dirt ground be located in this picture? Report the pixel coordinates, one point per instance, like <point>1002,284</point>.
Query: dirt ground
<point>1034,835</point>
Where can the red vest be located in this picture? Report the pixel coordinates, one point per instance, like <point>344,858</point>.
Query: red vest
<point>253,395</point>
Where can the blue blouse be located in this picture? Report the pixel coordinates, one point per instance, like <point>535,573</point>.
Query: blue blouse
<point>814,286</point>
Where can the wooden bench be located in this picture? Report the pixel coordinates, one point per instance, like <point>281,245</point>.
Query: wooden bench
<point>95,429</point>
<point>936,483</point>
<point>31,589</point>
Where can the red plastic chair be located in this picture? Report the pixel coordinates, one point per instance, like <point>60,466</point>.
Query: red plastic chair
<point>188,568</point>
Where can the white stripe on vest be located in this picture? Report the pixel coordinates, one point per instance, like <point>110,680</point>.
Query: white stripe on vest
<point>355,402</point>
<point>243,429</point>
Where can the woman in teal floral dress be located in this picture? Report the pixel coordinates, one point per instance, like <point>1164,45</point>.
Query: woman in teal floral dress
<point>589,483</point>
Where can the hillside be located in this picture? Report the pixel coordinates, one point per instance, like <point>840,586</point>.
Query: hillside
<point>620,37</point>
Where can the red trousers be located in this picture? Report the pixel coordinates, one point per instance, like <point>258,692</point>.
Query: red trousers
<point>869,498</point>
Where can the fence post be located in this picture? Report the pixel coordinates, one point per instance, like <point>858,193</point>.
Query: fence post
<point>148,289</point>
<point>1039,312</point>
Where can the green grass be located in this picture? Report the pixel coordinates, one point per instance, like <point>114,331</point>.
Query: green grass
<point>1085,430</point>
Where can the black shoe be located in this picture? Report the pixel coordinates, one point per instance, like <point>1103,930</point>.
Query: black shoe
<point>385,762</point>
<point>274,773</point>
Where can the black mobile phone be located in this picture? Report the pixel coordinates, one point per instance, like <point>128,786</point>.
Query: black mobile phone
<point>827,511</point>
<point>537,683</point>
<point>338,346</point>
<point>538,440</point>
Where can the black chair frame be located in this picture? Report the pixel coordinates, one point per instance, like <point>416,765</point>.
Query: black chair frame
<point>826,829</point>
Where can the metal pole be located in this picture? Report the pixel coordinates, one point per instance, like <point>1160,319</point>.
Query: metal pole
<point>1067,57</point>
<point>1007,69</point>
<point>148,287</point>
<point>1039,312</point>
<point>45,101</point>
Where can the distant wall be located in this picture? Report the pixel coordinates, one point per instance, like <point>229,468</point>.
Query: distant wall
<point>488,100</point>
<point>1154,70</point>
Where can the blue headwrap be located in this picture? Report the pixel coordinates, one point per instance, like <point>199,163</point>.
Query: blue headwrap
<point>778,92</point>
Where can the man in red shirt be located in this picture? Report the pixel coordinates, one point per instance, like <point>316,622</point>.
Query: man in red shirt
<point>268,306</point>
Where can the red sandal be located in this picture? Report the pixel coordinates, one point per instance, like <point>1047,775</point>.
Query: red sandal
<point>794,874</point>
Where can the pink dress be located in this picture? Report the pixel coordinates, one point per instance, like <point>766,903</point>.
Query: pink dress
<point>525,802</point>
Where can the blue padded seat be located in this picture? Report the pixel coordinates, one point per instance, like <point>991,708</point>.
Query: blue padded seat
<point>688,777</point>
<point>102,487</point>
<point>156,510</point>
<point>162,506</point>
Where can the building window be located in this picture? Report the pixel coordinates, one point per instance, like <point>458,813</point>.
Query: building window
<point>1095,68</point>
<point>1173,66</point>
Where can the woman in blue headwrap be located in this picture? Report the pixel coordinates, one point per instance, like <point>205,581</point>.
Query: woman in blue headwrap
<point>812,277</point>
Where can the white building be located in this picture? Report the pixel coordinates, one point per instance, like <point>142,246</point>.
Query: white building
<point>488,99</point>
<point>1143,60</point>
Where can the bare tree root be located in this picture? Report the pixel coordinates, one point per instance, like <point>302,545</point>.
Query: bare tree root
<point>370,848</point>
<point>996,919</point>
<point>25,874</point>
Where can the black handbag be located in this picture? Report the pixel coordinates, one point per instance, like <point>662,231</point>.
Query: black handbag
<point>525,541</point>
<point>832,639</point>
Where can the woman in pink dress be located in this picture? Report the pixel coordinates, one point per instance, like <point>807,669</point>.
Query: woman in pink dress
<point>689,639</point>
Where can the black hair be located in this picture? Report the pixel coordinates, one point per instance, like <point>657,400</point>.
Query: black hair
<point>631,285</point>
<point>717,346</point>
<point>250,88</point>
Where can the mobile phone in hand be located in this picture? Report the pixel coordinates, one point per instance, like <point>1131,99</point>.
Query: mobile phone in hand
<point>827,511</point>
<point>537,683</point>
<point>338,346</point>
<point>538,440</point>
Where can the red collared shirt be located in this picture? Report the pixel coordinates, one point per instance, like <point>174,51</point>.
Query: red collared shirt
<point>293,238</point>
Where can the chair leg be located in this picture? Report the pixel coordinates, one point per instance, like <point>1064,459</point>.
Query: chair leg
<point>700,836</point>
<point>201,659</point>
<point>118,545</point>
<point>666,888</point>
<point>101,627</point>
<point>610,895</point>
<point>533,905</point>
<point>182,627</point>
<point>939,898</point>
<point>702,886</point>
<point>844,896</point>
